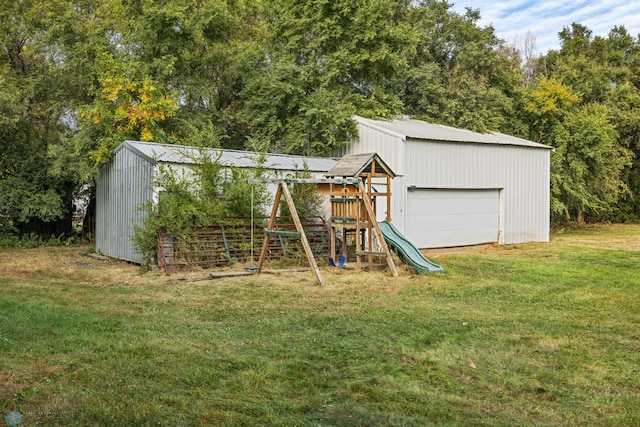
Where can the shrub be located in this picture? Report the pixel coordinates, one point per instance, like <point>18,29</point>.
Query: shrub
<point>306,198</point>
<point>204,194</point>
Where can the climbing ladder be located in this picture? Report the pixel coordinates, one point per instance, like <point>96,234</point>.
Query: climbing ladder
<point>352,210</point>
<point>359,212</point>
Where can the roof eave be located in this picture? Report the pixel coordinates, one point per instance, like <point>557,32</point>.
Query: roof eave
<point>371,124</point>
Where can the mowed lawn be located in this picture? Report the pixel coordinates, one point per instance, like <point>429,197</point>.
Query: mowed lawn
<point>532,334</point>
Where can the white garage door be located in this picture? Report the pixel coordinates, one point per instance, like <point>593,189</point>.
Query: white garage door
<point>440,218</point>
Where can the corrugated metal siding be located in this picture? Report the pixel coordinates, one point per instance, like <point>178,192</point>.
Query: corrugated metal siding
<point>455,165</point>
<point>126,181</point>
<point>420,130</point>
<point>166,153</point>
<point>391,149</point>
<point>123,185</point>
<point>521,172</point>
<point>526,201</point>
<point>518,168</point>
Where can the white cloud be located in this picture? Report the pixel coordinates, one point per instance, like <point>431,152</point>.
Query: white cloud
<point>546,18</point>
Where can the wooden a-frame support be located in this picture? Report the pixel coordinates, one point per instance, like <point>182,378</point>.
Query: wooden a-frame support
<point>269,231</point>
<point>284,189</point>
<point>373,221</point>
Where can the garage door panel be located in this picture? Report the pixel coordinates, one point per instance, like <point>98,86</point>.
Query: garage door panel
<point>442,239</point>
<point>449,206</point>
<point>445,217</point>
<point>456,222</point>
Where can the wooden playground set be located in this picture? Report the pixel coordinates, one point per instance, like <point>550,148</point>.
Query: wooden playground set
<point>353,217</point>
<point>352,231</point>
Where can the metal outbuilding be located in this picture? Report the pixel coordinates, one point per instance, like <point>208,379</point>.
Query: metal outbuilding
<point>126,181</point>
<point>456,187</point>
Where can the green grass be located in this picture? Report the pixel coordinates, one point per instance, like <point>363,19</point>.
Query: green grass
<point>524,335</point>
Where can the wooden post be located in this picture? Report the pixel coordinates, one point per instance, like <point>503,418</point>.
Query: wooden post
<point>283,189</point>
<point>370,220</point>
<point>388,198</point>
<point>332,232</point>
<point>358,215</point>
<point>383,243</point>
<point>303,236</point>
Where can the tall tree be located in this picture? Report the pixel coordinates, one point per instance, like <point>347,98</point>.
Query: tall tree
<point>547,106</point>
<point>587,164</point>
<point>35,195</point>
<point>127,106</point>
<point>602,71</point>
<point>324,61</point>
<point>459,74</point>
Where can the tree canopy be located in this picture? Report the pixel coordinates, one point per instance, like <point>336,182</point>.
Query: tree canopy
<point>78,77</point>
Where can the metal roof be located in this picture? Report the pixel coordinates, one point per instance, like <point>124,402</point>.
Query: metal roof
<point>167,153</point>
<point>352,165</point>
<point>407,128</point>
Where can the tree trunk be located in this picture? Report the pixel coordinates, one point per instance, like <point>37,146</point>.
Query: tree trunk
<point>89,221</point>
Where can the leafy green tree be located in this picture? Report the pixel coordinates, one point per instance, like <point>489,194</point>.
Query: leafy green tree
<point>587,164</point>
<point>624,106</point>
<point>459,73</point>
<point>588,161</point>
<point>162,71</point>
<point>199,51</point>
<point>285,118</point>
<point>323,61</point>
<point>127,106</point>
<point>35,195</point>
<point>600,71</point>
<point>546,106</point>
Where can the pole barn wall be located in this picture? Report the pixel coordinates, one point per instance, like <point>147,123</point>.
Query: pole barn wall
<point>432,157</point>
<point>521,173</point>
<point>124,183</point>
<point>390,147</point>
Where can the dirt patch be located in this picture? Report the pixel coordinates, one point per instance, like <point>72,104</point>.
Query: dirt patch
<point>46,265</point>
<point>8,385</point>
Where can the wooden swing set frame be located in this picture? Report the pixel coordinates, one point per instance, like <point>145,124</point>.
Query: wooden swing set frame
<point>364,220</point>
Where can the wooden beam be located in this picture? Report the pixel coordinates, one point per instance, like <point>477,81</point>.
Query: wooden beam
<point>303,237</point>
<point>282,233</point>
<point>283,189</point>
<point>388,199</point>
<point>225,274</point>
<point>368,253</point>
<point>375,218</point>
<point>383,243</point>
<point>352,181</point>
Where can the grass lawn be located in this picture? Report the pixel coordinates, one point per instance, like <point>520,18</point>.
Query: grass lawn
<point>533,334</point>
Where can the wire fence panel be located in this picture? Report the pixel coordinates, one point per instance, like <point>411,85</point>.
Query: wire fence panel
<point>238,241</point>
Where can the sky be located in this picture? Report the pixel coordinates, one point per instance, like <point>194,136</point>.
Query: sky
<point>546,18</point>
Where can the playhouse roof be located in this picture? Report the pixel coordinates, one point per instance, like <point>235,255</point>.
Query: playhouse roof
<point>352,165</point>
<point>181,154</point>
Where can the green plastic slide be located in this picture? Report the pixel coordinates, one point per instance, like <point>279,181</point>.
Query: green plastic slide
<point>407,250</point>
